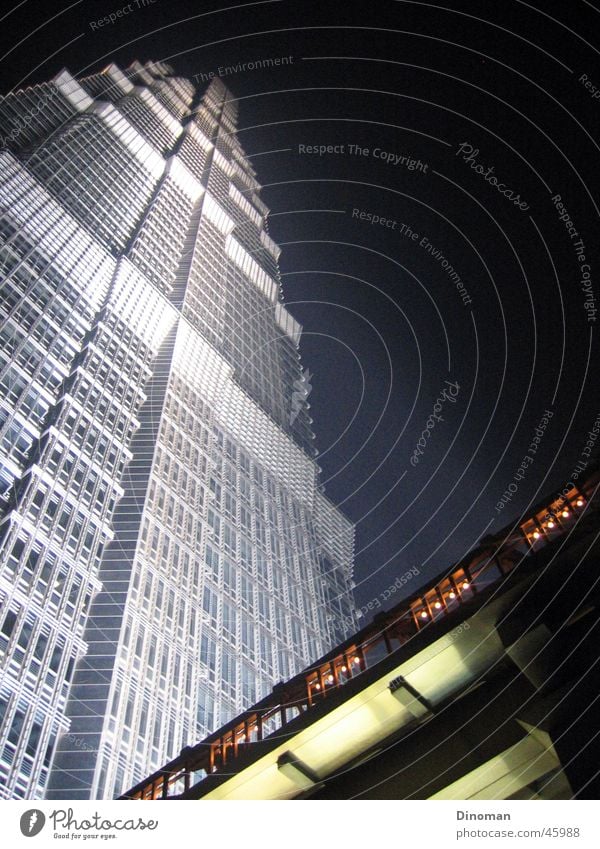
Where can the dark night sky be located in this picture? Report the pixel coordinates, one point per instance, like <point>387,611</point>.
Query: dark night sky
<point>384,325</point>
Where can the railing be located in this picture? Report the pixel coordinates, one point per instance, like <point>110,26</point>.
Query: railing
<point>496,557</point>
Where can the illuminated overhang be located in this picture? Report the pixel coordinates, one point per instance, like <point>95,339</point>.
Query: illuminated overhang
<point>217,215</point>
<point>245,205</point>
<point>288,324</point>
<point>199,364</point>
<point>137,67</point>
<point>410,698</point>
<point>252,269</point>
<point>400,698</point>
<point>260,205</point>
<point>193,130</point>
<point>222,163</point>
<point>133,141</point>
<point>183,178</point>
<point>270,245</point>
<point>134,298</point>
<point>297,771</point>
<point>159,110</point>
<point>72,91</point>
<point>119,78</point>
<point>510,771</point>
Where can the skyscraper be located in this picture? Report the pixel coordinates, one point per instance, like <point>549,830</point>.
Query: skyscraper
<point>166,550</point>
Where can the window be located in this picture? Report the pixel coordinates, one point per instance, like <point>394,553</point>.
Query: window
<point>262,569</point>
<point>229,577</point>
<point>17,550</point>
<point>56,657</point>
<point>16,727</point>
<point>229,623</point>
<point>264,608</point>
<point>229,539</point>
<point>40,647</point>
<point>212,561</point>
<point>229,673</point>
<point>248,643</point>
<point>284,664</point>
<point>3,709</point>
<point>247,591</point>
<point>246,554</point>
<point>25,635</point>
<point>214,523</point>
<point>34,739</point>
<point>210,605</point>
<point>246,520</point>
<point>280,622</point>
<point>248,686</point>
<point>266,654</point>
<point>297,640</point>
<point>9,623</point>
<point>208,655</point>
<point>206,711</point>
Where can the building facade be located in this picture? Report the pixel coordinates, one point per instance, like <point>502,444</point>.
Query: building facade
<point>166,550</point>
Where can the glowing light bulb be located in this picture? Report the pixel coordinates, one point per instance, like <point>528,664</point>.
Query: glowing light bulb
<point>330,679</point>
<point>423,614</point>
<point>536,534</point>
<point>465,585</point>
<point>317,686</point>
<point>565,514</point>
<point>579,502</point>
<point>452,595</point>
<point>550,524</point>
<point>437,605</point>
<point>357,660</point>
<point>344,669</point>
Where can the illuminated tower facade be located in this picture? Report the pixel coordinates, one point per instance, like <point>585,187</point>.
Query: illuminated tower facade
<point>166,550</point>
